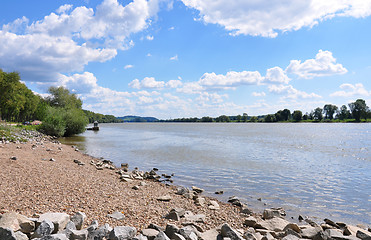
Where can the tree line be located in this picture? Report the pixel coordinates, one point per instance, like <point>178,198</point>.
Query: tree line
<point>61,112</point>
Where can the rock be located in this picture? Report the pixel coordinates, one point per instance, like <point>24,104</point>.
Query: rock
<point>171,229</point>
<point>161,236</point>
<point>78,219</point>
<point>291,237</point>
<point>194,225</point>
<point>197,189</point>
<point>139,237</point>
<point>188,232</point>
<point>78,234</point>
<point>122,233</point>
<point>58,236</point>
<point>309,231</point>
<point>16,222</point>
<point>331,223</point>
<point>338,235</point>
<point>154,226</point>
<point>363,235</point>
<point>150,233</point>
<point>273,212</point>
<point>352,230</point>
<point>214,205</point>
<point>93,226</point>
<point>200,201</point>
<point>251,221</point>
<point>173,216</point>
<point>126,180</point>
<point>235,201</point>
<point>52,160</point>
<point>20,236</point>
<point>45,228</point>
<point>292,226</point>
<point>209,234</point>
<point>177,236</point>
<point>219,192</point>
<point>135,187</point>
<point>268,236</point>
<point>189,216</point>
<point>246,210</point>
<point>100,233</point>
<point>7,234</point>
<point>117,216</point>
<point>13,158</point>
<point>165,198</point>
<point>227,231</point>
<point>70,226</point>
<point>275,224</point>
<point>182,191</point>
<point>59,220</point>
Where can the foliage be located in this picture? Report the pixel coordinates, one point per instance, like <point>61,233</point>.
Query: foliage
<point>282,115</point>
<point>223,118</point>
<point>75,120</point>
<point>270,118</point>
<point>101,118</point>
<point>343,113</point>
<point>329,111</point>
<point>54,123</point>
<point>61,97</point>
<point>297,115</point>
<point>359,109</point>
<point>317,114</point>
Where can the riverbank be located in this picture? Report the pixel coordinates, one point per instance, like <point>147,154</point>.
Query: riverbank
<point>42,175</point>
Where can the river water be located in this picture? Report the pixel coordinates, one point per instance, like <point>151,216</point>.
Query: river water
<point>313,169</point>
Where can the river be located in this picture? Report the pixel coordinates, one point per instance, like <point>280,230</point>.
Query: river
<point>320,170</point>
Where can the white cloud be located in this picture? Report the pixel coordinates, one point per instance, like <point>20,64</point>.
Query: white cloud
<point>175,58</point>
<point>64,8</point>
<point>230,80</point>
<point>290,92</point>
<point>128,66</point>
<point>258,94</point>
<point>174,83</point>
<point>268,18</point>
<point>147,82</point>
<point>323,65</point>
<point>149,55</point>
<point>171,28</point>
<point>276,75</point>
<point>149,38</point>
<point>350,90</point>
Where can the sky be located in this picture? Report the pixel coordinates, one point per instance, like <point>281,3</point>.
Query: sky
<point>191,58</point>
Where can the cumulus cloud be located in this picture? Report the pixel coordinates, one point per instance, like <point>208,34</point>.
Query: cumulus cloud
<point>350,90</point>
<point>268,18</point>
<point>276,75</point>
<point>174,83</point>
<point>290,92</point>
<point>258,94</point>
<point>128,66</point>
<point>175,58</point>
<point>323,65</point>
<point>230,80</point>
<point>147,82</point>
<point>149,38</point>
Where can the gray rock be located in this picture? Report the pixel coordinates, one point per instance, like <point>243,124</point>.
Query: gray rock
<point>194,225</point>
<point>338,235</point>
<point>182,191</point>
<point>100,233</point>
<point>273,212</point>
<point>251,221</point>
<point>227,231</point>
<point>173,216</point>
<point>45,228</point>
<point>268,236</point>
<point>363,235</point>
<point>20,236</point>
<point>165,198</point>
<point>188,232</point>
<point>189,216</point>
<point>7,234</point>
<point>331,223</point>
<point>140,237</point>
<point>177,236</point>
<point>275,224</point>
<point>179,211</point>
<point>154,226</point>
<point>171,229</point>
<point>209,234</point>
<point>214,205</point>
<point>58,236</point>
<point>59,220</point>
<point>150,233</point>
<point>78,234</point>
<point>78,219</point>
<point>161,236</point>
<point>235,201</point>
<point>246,210</point>
<point>16,222</point>
<point>309,231</point>
<point>200,201</point>
<point>290,237</point>
<point>93,226</point>
<point>117,216</point>
<point>197,189</point>
<point>292,226</point>
<point>122,233</point>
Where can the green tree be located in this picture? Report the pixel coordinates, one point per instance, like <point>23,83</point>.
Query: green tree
<point>223,118</point>
<point>317,114</point>
<point>54,123</point>
<point>61,97</point>
<point>244,117</point>
<point>239,117</point>
<point>329,111</point>
<point>253,119</point>
<point>359,109</point>
<point>297,115</point>
<point>343,113</point>
<point>270,118</point>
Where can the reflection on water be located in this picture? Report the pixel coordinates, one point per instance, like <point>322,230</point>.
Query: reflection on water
<point>318,170</point>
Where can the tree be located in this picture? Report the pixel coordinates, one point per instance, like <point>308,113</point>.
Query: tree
<point>223,118</point>
<point>244,117</point>
<point>239,117</point>
<point>359,109</point>
<point>61,97</point>
<point>317,114</point>
<point>254,119</point>
<point>270,118</point>
<point>343,113</point>
<point>329,111</point>
<point>297,115</point>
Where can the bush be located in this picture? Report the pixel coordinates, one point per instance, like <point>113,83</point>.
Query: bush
<point>76,121</point>
<point>54,123</point>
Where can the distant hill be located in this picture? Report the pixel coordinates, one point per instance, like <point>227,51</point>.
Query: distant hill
<point>138,119</point>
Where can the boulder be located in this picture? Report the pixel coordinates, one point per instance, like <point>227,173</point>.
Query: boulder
<point>235,201</point>
<point>308,231</point>
<point>58,236</point>
<point>7,234</point>
<point>292,226</point>
<point>246,210</point>
<point>188,232</point>
<point>78,234</point>
<point>338,235</point>
<point>172,216</point>
<point>290,237</point>
<point>16,222</point>
<point>273,212</point>
<point>197,189</point>
<point>200,201</point>
<point>275,224</point>
<point>228,232</point>
<point>122,233</point>
<point>161,236</point>
<point>139,237</point>
<point>93,226</point>
<point>100,233</point>
<point>20,236</point>
<point>165,198</point>
<point>363,235</point>
<point>116,215</point>
<point>59,220</point>
<point>150,233</point>
<point>214,205</point>
<point>45,228</point>
<point>171,229</point>
<point>251,221</point>
<point>154,226</point>
<point>189,216</point>
<point>177,236</point>
<point>78,219</point>
<point>331,223</point>
<point>209,234</point>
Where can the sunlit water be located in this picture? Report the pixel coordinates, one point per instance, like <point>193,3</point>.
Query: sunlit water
<point>316,170</point>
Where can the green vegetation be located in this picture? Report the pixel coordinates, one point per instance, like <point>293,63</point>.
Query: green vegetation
<point>92,116</point>
<point>138,119</point>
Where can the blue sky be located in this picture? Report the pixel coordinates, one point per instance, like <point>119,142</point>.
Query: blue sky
<point>192,58</point>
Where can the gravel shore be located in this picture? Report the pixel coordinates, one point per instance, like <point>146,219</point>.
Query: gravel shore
<point>44,178</point>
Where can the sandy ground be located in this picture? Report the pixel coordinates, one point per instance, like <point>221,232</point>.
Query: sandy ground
<point>33,185</point>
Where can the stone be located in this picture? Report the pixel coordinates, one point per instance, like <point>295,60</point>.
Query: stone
<point>135,187</point>
<point>20,236</point>
<point>171,229</point>
<point>227,231</point>
<point>219,192</point>
<point>7,234</point>
<point>100,233</point>
<point>13,158</point>
<point>165,198</point>
<point>173,216</point>
<point>182,191</point>
<point>214,205</point>
<point>177,236</point>
<point>268,236</point>
<point>78,219</point>
<point>352,230</point>
<point>179,211</point>
<point>275,224</point>
<point>197,189</point>
<point>189,216</point>
<point>209,234</point>
<point>290,237</point>
<point>235,201</point>
<point>338,235</point>
<point>78,234</point>
<point>59,220</point>
<point>251,236</point>
<point>70,226</point>
<point>273,212</point>
<point>58,236</point>
<point>309,231</point>
<point>126,180</point>
<point>154,226</point>
<point>251,221</point>
<point>331,223</point>
<point>161,236</point>
<point>16,222</point>
<point>150,233</point>
<point>246,210</point>
<point>116,215</point>
<point>188,232</point>
<point>200,201</point>
<point>292,226</point>
<point>45,228</point>
<point>140,237</point>
<point>363,235</point>
<point>122,233</point>
<point>193,224</point>
<point>93,226</point>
